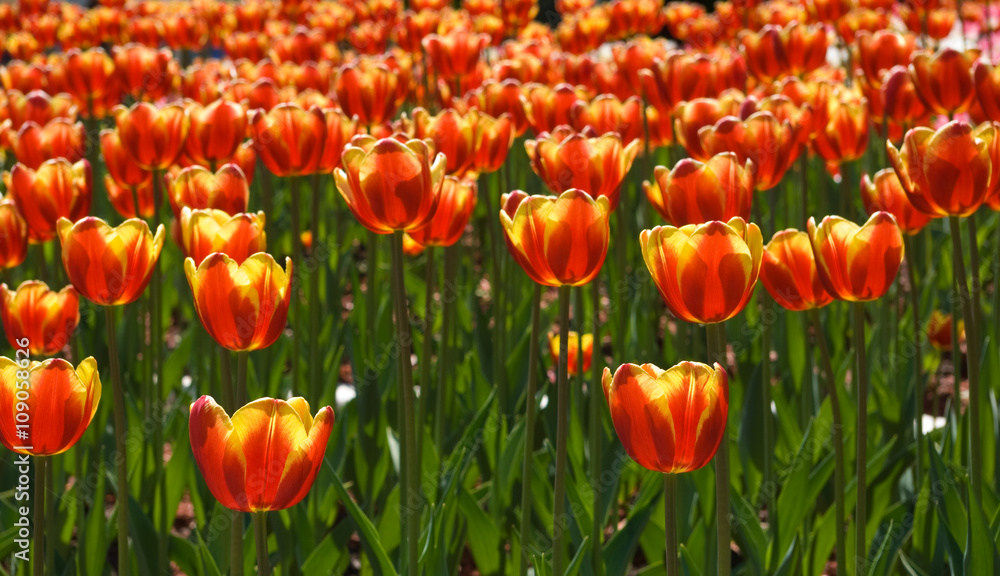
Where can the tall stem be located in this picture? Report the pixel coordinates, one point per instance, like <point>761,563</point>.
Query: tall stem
<point>918,362</point>
<point>529,426</point>
<point>428,348</point>
<point>861,541</point>
<point>447,334</point>
<point>673,564</point>
<point>838,439</point>
<point>596,430</point>
<point>971,357</point>
<point>51,507</point>
<point>716,342</point>
<point>38,560</point>
<point>769,487</point>
<point>562,432</point>
<point>315,309</point>
<point>156,349</point>
<point>260,538</point>
<point>120,432</point>
<point>411,505</point>
<point>293,184</point>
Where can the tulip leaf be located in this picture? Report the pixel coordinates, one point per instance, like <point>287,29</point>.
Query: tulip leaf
<point>485,544</point>
<point>980,553</point>
<point>620,548</point>
<point>369,536</point>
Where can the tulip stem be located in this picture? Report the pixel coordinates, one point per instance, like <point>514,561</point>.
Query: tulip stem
<point>447,334</point>
<point>673,564</point>
<point>971,357</point>
<point>260,538</point>
<point>38,561</point>
<point>120,432</point>
<point>428,348</point>
<point>411,505</point>
<point>596,429</point>
<point>315,309</point>
<point>229,399</point>
<point>861,520</point>
<point>156,354</point>
<point>918,360</point>
<point>529,427</point>
<point>716,343</point>
<point>838,438</point>
<point>562,432</point>
<point>293,185</point>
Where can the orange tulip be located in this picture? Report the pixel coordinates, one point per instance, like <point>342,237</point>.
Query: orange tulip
<point>89,76</point>
<point>339,131</point>
<point>154,136</point>
<point>661,128</point>
<point>120,164</point>
<point>253,46</point>
<point>547,108</point>
<point>59,138</point>
<point>694,115</point>
<point>694,192</point>
<point>937,22</point>
<point>244,306</point>
<point>944,173</point>
<point>989,132</point>
<point>60,400</point>
<point>885,193</point>
<point>802,118</point>
<point>558,241</point>
<point>789,272</point>
<point>772,146</point>
<point>705,273</point>
<point>861,20</point>
<point>499,98</point>
<point>109,266</point>
<point>206,231</point>
<point>13,235</point>
<point>669,421</point>
<point>24,76</point>
<point>57,189</point>
<point>45,319</point>
<point>777,51</point>
<point>123,198</point>
<point>566,159</point>
<point>456,53</point>
<point>857,263</point>
<point>495,136</point>
<point>607,113</point>
<point>452,134</point>
<point>844,137</point>
<point>939,331</point>
<point>944,79</point>
<point>457,201</point>
<point>289,138</point>
<point>266,457</point>
<point>881,51</point>
<point>390,185</point>
<point>216,132</point>
<point>899,97</point>
<point>368,91</point>
<point>573,351</point>
<point>198,188</point>
<point>145,72</point>
<point>38,107</point>
<point>678,77</point>
<point>986,78</point>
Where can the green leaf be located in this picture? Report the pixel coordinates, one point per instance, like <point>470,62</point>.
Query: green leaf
<point>369,536</point>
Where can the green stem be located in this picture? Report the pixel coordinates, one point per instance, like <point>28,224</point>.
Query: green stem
<point>51,507</point>
<point>293,183</point>
<point>156,349</point>
<point>804,169</point>
<point>428,347</point>
<point>315,308</point>
<point>496,292</point>
<point>971,356</point>
<point>559,525</point>
<point>769,487</point>
<point>242,362</point>
<point>596,430</point>
<point>861,520</point>
<point>448,329</point>
<point>226,373</point>
<point>260,538</point>
<point>412,504</point>
<point>120,431</point>
<point>976,284</point>
<point>716,342</point>
<point>529,427</point>
<point>839,475</point>
<point>918,361</point>
<point>621,306</point>
<point>38,561</point>
<point>673,564</point>
<point>371,300</point>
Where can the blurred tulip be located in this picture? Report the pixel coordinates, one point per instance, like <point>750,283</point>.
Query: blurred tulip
<point>369,92</point>
<point>301,46</point>
<point>885,193</point>
<point>789,272</point>
<point>452,134</point>
<point>692,116</point>
<point>184,30</point>
<point>943,80</point>
<point>934,22</point>
<point>939,331</point>
<point>266,457</point>
<point>607,113</point>
<point>339,131</point>
<point>777,51</point>
<point>38,107</point>
<point>59,138</point>
<point>289,139</point>
<point>390,185</point>
<point>694,192</point>
<point>120,164</point>
<point>45,319</point>
<point>495,137</point>
<point>198,188</point>
<point>216,132</point>
<point>989,132</point>
<point>253,46</point>
<point>145,72</point>
<point>944,172</point>
<point>844,137</point>
<point>13,235</point>
<point>705,273</point>
<point>678,77</point>
<point>154,136</point>
<point>566,159</point>
<point>109,266</point>
<point>986,78</point>
<point>89,75</point>
<point>499,98</point>
<point>57,189</point>
<point>857,263</point>
<point>24,76</point>
<point>669,421</point>
<point>772,146</point>
<point>859,21</point>
<point>369,37</point>
<point>124,198</point>
<point>573,351</point>
<point>457,201</point>
<point>881,51</point>
<point>547,108</point>
<point>61,401</point>
<point>206,231</point>
<point>899,96</point>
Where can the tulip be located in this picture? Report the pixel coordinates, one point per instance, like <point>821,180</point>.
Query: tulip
<point>989,132</point>
<point>243,306</point>
<point>206,231</point>
<point>899,97</point>
<point>198,188</point>
<point>289,138</point>
<point>606,113</point>
<point>456,53</point>
<point>390,185</point>
<point>495,136</point>
<point>943,80</point>
<point>368,91</point>
<point>547,108</point>
<point>265,457</point>
<point>452,134</point>
<point>89,76</point>
<point>939,331</point>
<point>778,51</point>
<point>573,351</point>
<point>945,172</point>
<point>558,241</point>
<point>154,136</point>
<point>57,189</point>
<point>881,51</point>
<point>61,401</point>
<point>986,79</point>
<point>692,116</point>
<point>705,273</point>
<point>844,137</point>
<point>789,272</point>
<point>772,146</point>
<point>38,107</point>
<point>36,315</point>
<point>59,138</point>
<point>24,76</point>
<point>857,263</point>
<point>566,160</point>
<point>123,199</point>
<point>145,72</point>
<point>694,192</point>
<point>216,132</point>
<point>455,206</point>
<point>109,266</point>
<point>499,98</point>
<point>339,131</point>
<point>13,235</point>
<point>121,165</point>
<point>886,193</point>
<point>678,77</point>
